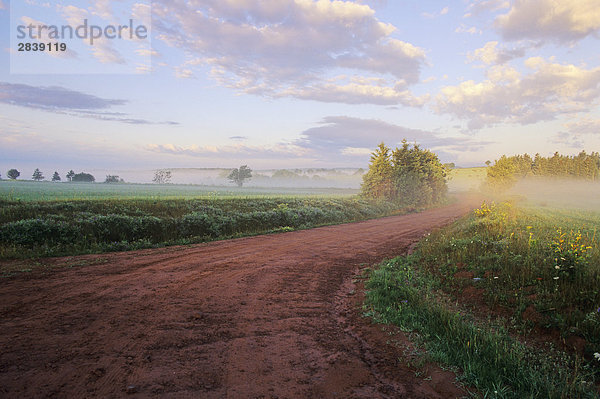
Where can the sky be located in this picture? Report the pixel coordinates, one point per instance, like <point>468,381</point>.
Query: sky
<point>297,83</point>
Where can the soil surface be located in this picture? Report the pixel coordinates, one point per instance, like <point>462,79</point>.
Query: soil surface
<point>275,316</point>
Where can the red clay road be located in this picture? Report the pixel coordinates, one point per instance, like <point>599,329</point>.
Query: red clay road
<point>275,316</point>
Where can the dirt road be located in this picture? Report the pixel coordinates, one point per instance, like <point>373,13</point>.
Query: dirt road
<point>274,316</point>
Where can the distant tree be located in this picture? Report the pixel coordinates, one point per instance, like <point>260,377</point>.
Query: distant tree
<point>162,176</point>
<point>508,170</point>
<point>488,162</point>
<point>450,165</point>
<point>83,177</point>
<point>37,175</point>
<point>113,179</point>
<point>70,175</point>
<point>287,175</point>
<point>55,176</point>
<point>13,174</point>
<point>238,176</point>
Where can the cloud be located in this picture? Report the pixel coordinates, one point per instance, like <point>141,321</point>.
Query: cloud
<point>277,151</point>
<point>2,5</point>
<point>339,139</point>
<point>491,54</point>
<point>585,125</point>
<point>103,49</point>
<point>465,29</point>
<point>356,91</point>
<point>292,48</point>
<point>477,8</point>
<point>65,101</point>
<point>556,20</point>
<point>443,11</point>
<point>568,139</point>
<point>52,98</point>
<point>348,136</point>
<point>507,96</point>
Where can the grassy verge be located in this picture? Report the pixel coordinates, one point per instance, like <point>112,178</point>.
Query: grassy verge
<point>54,228</point>
<point>518,275</point>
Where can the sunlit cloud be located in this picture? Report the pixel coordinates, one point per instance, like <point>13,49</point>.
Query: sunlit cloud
<point>289,48</point>
<point>491,53</point>
<point>584,125</point>
<point>507,96</point>
<point>479,7</point>
<point>556,20</point>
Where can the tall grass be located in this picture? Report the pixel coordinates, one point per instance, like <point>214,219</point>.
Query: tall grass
<point>539,268</point>
<point>488,358</point>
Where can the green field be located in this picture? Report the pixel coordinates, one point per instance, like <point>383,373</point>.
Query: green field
<point>23,190</point>
<point>67,227</point>
<point>510,295</point>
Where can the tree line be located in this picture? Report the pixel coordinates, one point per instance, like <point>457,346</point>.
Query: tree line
<point>409,175</point>
<point>506,171</point>
<point>71,176</point>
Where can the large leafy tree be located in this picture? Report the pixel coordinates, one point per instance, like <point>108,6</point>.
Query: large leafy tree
<point>408,175</point>
<point>377,182</point>
<point>13,174</point>
<point>55,176</point>
<point>83,177</point>
<point>70,175</point>
<point>239,175</point>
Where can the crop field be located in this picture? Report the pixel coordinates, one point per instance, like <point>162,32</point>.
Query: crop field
<point>510,295</point>
<point>67,227</point>
<point>47,191</point>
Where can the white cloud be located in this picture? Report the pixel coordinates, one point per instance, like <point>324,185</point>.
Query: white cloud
<point>289,47</point>
<point>490,53</point>
<point>443,11</point>
<point>585,125</point>
<point>465,29</point>
<point>183,73</point>
<point>102,49</point>
<point>357,91</point>
<point>247,151</point>
<point>356,151</point>
<point>508,96</point>
<point>482,6</point>
<point>103,9</point>
<point>558,20</point>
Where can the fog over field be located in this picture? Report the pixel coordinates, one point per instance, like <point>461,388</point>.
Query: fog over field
<point>567,193</point>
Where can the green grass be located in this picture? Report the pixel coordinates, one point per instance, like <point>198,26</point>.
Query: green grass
<point>515,272</point>
<point>48,191</point>
<point>53,228</point>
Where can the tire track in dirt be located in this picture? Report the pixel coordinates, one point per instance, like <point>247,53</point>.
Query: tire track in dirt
<point>272,316</point>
